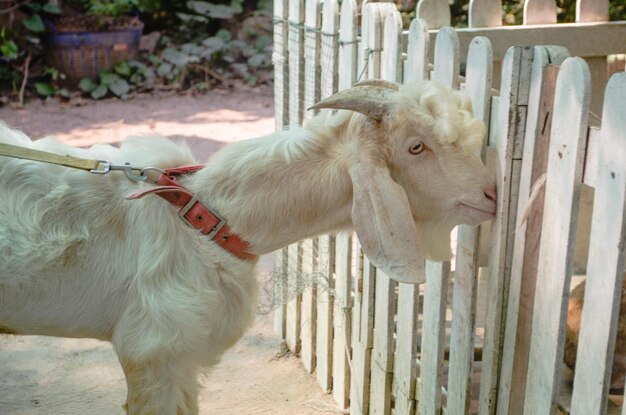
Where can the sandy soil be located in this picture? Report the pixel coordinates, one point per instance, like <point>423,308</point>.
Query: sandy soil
<point>42,375</point>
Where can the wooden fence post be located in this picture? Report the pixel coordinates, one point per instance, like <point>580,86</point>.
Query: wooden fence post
<point>518,327</point>
<point>508,126</point>
<point>281,115</point>
<point>478,87</point>
<point>606,260</point>
<point>564,178</point>
<point>417,52</point>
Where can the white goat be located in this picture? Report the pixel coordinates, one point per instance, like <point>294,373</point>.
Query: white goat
<point>78,259</point>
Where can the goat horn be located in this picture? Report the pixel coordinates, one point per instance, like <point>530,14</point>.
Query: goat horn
<point>369,100</point>
<point>380,83</point>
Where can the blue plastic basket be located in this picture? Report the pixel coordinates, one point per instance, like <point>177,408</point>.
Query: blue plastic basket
<point>85,54</point>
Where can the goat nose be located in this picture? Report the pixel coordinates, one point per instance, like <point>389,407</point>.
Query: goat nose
<point>490,193</point>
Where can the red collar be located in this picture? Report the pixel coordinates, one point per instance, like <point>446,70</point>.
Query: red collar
<point>196,214</point>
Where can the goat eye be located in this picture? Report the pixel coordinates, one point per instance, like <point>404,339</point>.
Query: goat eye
<point>417,148</point>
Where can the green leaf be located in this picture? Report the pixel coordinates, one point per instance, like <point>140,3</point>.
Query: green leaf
<point>119,87</point>
<point>212,45</point>
<point>123,69</point>
<point>34,24</point>
<point>99,92</point>
<point>164,70</point>
<point>87,85</point>
<point>44,89</point>
<point>256,60</point>
<point>224,34</point>
<point>186,18</point>
<point>192,49</point>
<point>9,49</point>
<point>63,92</point>
<point>51,8</point>
<point>107,78</point>
<point>176,57</point>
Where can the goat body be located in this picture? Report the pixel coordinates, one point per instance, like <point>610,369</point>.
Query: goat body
<point>81,260</point>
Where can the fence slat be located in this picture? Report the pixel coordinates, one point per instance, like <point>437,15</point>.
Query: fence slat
<point>527,236</point>
<point>592,10</point>
<point>433,337</point>
<point>606,260</point>
<point>405,364</point>
<point>294,265</point>
<point>565,160</point>
<point>312,40</point>
<point>324,335</point>
<point>342,320</point>
<point>417,52</point>
<point>436,13</point>
<point>362,342</point>
<point>348,43</point>
<point>485,13</point>
<point>330,47</point>
<point>383,345</point>
<point>392,48</point>
<point>446,60</point>
<point>296,62</point>
<point>506,136</point>
<point>539,12</point>
<point>312,24</point>
<point>478,86</point>
<point>281,115</point>
<point>308,313</point>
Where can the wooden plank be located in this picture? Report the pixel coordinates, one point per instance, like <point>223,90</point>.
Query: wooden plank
<point>279,57</point>
<point>565,159</point>
<point>348,44</point>
<point>436,13</point>
<point>342,320</point>
<point>581,39</point>
<point>383,345</point>
<point>485,13</point>
<point>592,10</point>
<point>417,52</point>
<point>446,60</point>
<point>405,364</point>
<point>329,48</point>
<point>312,58</point>
<point>374,15</point>
<point>362,342</point>
<point>324,335</point>
<point>433,337</point>
<point>539,12</point>
<point>605,268</point>
<point>279,292</point>
<point>296,63</point>
<point>292,335</point>
<point>281,115</point>
<point>478,87</point>
<point>308,313</point>
<point>392,48</point>
<point>506,138</point>
<point>527,235</point>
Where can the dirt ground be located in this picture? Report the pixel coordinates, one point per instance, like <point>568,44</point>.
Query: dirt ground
<point>43,375</point>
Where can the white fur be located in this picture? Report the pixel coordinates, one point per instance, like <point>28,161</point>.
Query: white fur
<point>78,259</point>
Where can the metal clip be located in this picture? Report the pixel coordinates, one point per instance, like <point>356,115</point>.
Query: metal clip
<point>128,170</point>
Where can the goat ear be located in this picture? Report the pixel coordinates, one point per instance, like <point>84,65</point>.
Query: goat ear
<point>384,224</point>
<point>368,99</point>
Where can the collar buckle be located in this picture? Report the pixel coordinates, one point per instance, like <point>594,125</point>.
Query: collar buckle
<point>185,209</point>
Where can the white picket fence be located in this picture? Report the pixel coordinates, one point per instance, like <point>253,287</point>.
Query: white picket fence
<point>470,340</point>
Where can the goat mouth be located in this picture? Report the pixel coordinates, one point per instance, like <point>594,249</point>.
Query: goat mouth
<point>487,212</point>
